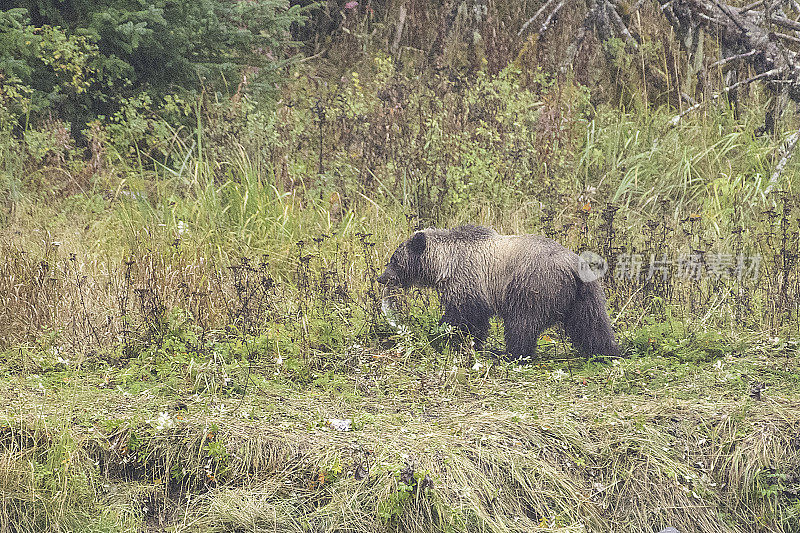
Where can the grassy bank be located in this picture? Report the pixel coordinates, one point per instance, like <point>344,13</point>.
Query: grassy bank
<point>565,445</point>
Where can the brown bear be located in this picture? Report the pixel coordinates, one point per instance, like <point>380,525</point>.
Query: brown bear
<point>531,282</point>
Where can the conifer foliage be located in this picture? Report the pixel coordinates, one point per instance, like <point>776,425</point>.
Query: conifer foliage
<point>87,57</point>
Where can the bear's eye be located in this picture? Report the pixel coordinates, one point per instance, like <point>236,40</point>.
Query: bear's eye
<point>394,264</point>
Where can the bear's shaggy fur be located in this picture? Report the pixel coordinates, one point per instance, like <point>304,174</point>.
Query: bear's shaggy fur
<point>531,282</point>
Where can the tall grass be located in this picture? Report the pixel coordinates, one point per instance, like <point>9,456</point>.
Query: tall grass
<point>242,269</point>
<point>522,160</point>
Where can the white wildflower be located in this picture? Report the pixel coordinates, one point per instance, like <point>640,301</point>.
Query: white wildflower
<point>163,422</point>
<point>340,424</point>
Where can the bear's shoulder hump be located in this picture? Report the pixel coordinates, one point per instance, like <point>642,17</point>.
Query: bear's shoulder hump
<point>469,232</point>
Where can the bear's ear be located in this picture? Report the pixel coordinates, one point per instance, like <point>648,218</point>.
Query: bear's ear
<point>417,243</point>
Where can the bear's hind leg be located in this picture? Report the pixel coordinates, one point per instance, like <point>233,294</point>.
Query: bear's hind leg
<point>521,335</point>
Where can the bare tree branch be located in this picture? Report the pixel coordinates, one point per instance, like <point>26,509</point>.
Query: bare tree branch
<point>791,142</point>
<point>785,23</point>
<point>772,73</point>
<point>619,25</point>
<point>534,17</point>
<point>750,7</point>
<point>728,59</point>
<point>742,34</point>
<point>575,44</point>
<point>609,23</point>
<point>790,38</point>
<point>398,32</point>
<point>551,17</point>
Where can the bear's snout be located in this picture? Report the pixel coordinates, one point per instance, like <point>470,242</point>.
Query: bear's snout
<point>387,278</point>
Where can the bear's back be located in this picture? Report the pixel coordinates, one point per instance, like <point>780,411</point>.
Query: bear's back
<point>529,246</point>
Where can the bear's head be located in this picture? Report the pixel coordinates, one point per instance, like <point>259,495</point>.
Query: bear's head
<point>405,267</point>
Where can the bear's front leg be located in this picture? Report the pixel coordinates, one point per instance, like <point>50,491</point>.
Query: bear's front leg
<point>471,319</point>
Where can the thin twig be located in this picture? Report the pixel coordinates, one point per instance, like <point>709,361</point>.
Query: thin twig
<point>728,59</point>
<point>791,142</point>
<point>789,38</point>
<point>726,10</point>
<point>767,74</point>
<point>550,17</point>
<point>748,7</point>
<point>398,32</point>
<point>533,18</point>
<point>687,98</point>
<point>620,26</point>
<point>677,118</point>
<point>785,23</point>
<point>705,17</point>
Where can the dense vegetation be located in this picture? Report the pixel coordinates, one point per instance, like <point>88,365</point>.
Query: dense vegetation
<point>199,196</point>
